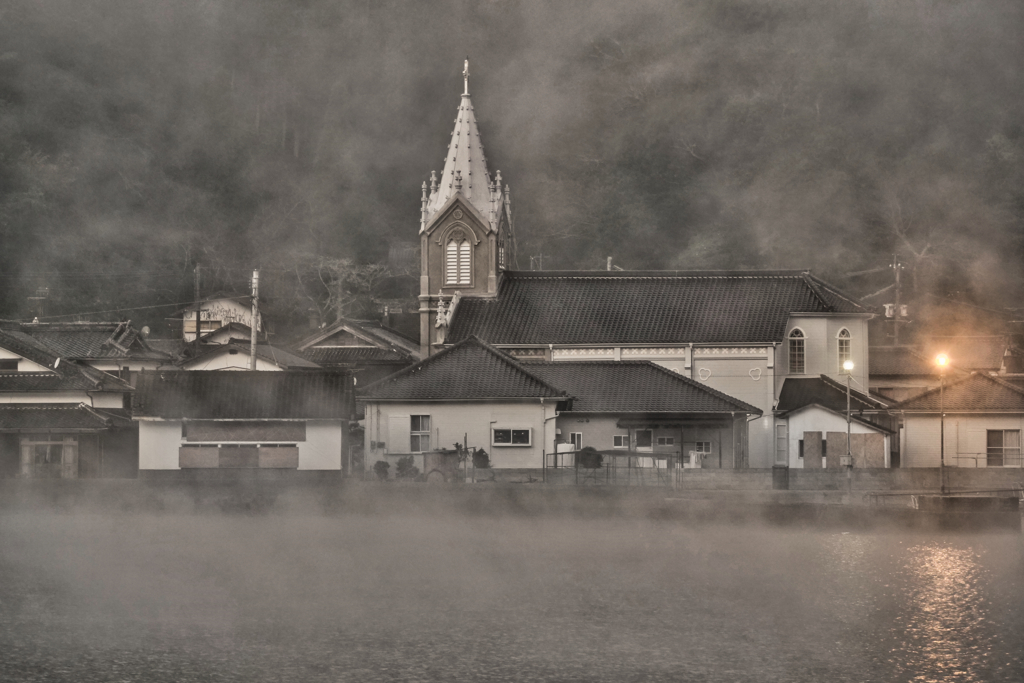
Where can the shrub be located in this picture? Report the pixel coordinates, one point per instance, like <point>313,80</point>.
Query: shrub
<point>380,468</point>
<point>405,469</point>
<point>481,460</point>
<point>589,458</point>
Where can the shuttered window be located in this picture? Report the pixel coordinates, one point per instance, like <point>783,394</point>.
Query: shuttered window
<point>458,261</point>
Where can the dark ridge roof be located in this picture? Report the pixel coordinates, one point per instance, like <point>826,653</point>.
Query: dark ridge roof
<point>271,354</point>
<point>634,387</point>
<point>468,370</point>
<point>229,326</point>
<point>823,391</point>
<point>976,392</point>
<point>601,307</point>
<point>969,353</point>
<point>347,355</point>
<point>383,336</point>
<point>58,416</point>
<point>899,361</point>
<point>240,395</point>
<point>25,346</point>
<point>69,376</point>
<point>91,340</point>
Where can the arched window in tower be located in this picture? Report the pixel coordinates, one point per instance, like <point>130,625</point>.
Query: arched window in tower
<point>458,259</point>
<point>796,352</point>
<point>845,350</point>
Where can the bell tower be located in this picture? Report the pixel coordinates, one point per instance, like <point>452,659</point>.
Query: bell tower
<point>465,229</point>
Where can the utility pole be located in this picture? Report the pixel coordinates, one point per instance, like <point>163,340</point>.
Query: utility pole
<point>199,308</point>
<point>255,317</point>
<point>897,267</point>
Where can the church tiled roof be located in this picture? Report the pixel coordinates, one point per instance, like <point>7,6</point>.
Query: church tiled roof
<point>634,387</point>
<point>655,307</point>
<point>469,370</point>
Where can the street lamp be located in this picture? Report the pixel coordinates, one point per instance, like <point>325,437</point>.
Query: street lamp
<point>848,369</point>
<point>942,360</point>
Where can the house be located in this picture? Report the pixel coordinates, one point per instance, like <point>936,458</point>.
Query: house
<point>741,333</point>
<point>901,372</point>
<point>984,415</point>
<point>59,417</point>
<point>114,347</point>
<point>473,394</point>
<point>811,417</point>
<point>215,313</point>
<point>236,355</point>
<point>368,350</point>
<point>201,421</point>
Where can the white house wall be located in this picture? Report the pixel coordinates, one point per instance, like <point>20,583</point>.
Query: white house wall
<point>749,377</point>
<point>815,419</point>
<point>158,444</point>
<point>965,439</point>
<point>322,448</point>
<point>24,364</point>
<point>229,361</point>
<point>159,441</point>
<point>65,397</point>
<point>452,423</point>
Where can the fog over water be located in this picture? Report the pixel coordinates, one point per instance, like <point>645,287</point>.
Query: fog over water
<point>445,594</point>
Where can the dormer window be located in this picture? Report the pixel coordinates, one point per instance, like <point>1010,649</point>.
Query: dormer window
<point>796,352</point>
<point>458,259</point>
<point>844,348</point>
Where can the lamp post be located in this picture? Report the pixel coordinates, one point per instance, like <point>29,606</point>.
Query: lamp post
<point>942,360</point>
<point>848,369</point>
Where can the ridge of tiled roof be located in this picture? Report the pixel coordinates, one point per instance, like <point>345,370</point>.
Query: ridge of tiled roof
<point>266,395</point>
<point>645,307</point>
<point>976,392</point>
<point>635,386</point>
<point>70,376</point>
<point>471,369</point>
<point>66,416</point>
<point>798,392</point>
<point>91,340</point>
<point>328,355</point>
<point>25,346</point>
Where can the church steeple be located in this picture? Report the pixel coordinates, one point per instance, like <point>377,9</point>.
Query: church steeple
<point>465,160</point>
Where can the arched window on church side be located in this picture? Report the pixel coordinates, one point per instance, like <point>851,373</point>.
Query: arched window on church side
<point>458,259</point>
<point>845,352</point>
<point>796,352</point>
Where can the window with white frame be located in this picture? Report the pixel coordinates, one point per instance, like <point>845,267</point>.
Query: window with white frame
<point>458,259</point>
<point>844,348</point>
<point>419,433</point>
<point>620,441</point>
<point>576,439</point>
<point>1003,448</point>
<point>507,436</point>
<point>796,352</point>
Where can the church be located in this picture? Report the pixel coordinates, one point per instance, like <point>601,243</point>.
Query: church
<point>739,335</point>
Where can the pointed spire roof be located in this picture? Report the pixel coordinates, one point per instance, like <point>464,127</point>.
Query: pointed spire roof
<point>465,163</point>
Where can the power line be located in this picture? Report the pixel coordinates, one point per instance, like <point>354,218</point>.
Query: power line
<point>119,310</point>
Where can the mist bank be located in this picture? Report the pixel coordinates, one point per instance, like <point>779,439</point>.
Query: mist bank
<point>140,139</point>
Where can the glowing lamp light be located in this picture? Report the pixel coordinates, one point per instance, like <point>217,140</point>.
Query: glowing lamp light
<point>848,365</point>
<point>942,360</point>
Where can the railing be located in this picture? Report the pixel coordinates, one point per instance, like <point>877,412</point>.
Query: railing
<point>622,468</point>
<point>1006,458</point>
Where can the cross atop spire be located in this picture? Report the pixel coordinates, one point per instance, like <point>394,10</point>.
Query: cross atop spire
<point>465,77</point>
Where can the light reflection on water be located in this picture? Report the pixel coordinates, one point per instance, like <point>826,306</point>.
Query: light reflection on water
<point>365,598</point>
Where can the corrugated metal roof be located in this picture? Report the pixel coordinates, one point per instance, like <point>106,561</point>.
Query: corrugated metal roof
<point>658,307</point>
<point>240,395</point>
<point>977,392</point>
<point>634,387</point>
<point>469,370</point>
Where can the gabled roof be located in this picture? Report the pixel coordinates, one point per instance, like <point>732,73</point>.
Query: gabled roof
<point>634,387</point>
<point>25,346</point>
<point>798,392</point>
<point>468,370</point>
<point>977,392</point>
<point>271,354</point>
<point>91,340</point>
<point>854,417</point>
<point>372,332</point>
<point>75,417</point>
<point>970,353</point>
<point>240,395</point>
<point>900,361</point>
<point>230,327</point>
<point>655,307</point>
